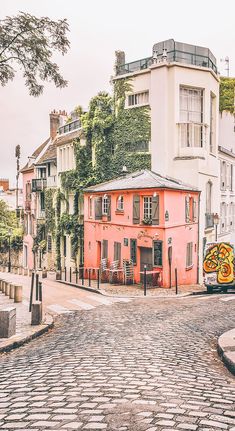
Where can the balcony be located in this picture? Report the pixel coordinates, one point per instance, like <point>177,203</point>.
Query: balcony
<point>209,220</point>
<point>73,125</point>
<point>52,181</point>
<point>38,184</point>
<point>171,51</point>
<point>27,205</point>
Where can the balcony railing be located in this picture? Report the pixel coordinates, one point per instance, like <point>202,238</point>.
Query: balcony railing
<point>177,56</point>
<point>74,125</point>
<point>38,184</point>
<point>209,220</point>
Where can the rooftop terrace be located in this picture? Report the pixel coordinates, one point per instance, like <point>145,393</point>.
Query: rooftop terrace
<point>171,51</point>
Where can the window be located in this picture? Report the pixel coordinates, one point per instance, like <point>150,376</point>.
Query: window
<point>190,209</point>
<point>157,253</point>
<point>133,251</point>
<point>222,175</point>
<point>212,123</point>
<point>189,255</point>
<point>28,191</point>
<point>105,205</point>
<point>117,251</point>
<point>120,203</point>
<point>90,201</point>
<point>42,201</point>
<point>139,146</point>
<point>49,169</point>
<point>138,99</point>
<point>191,117</point>
<point>231,216</point>
<point>208,197</point>
<point>148,207</point>
<point>223,217</point>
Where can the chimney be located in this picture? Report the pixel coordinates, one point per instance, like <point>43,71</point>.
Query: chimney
<point>54,123</point>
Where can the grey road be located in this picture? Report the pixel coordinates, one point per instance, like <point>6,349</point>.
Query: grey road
<point>137,366</point>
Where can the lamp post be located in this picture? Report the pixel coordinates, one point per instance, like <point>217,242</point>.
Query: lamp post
<point>216,222</point>
<point>9,249</point>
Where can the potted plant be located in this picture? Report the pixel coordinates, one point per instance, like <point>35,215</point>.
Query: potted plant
<point>147,221</point>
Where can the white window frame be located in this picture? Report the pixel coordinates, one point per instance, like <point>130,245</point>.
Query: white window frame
<point>192,128</point>
<point>105,205</point>
<point>138,99</point>
<point>120,203</point>
<point>147,207</point>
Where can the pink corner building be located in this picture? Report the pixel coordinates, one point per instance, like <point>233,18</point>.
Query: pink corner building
<point>144,218</point>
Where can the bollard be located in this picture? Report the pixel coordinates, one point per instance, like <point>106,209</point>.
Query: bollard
<point>7,322</point>
<point>176,282</point>
<point>37,281</point>
<point>98,279</point>
<point>89,277</point>
<point>3,286</point>
<point>65,274</point>
<point>36,317</point>
<point>70,274</point>
<point>145,280</point>
<point>7,289</point>
<point>12,291</point>
<point>18,293</point>
<point>76,273</point>
<point>1,281</point>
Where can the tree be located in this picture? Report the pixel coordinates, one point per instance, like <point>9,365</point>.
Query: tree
<point>8,221</point>
<point>30,42</point>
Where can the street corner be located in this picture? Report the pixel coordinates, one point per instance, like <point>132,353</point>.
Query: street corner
<point>226,349</point>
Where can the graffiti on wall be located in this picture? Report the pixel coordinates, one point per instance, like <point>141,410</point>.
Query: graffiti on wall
<point>219,259</point>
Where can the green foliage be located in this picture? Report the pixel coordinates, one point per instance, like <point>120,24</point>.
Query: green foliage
<point>50,211</point>
<point>227,89</point>
<point>112,133</point>
<point>30,42</point>
<point>40,239</point>
<point>9,224</point>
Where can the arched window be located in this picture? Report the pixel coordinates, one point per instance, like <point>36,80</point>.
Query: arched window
<point>120,203</point>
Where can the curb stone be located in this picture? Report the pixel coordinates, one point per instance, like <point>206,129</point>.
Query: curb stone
<point>44,327</point>
<point>226,349</point>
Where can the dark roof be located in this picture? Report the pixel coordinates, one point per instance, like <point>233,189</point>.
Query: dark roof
<point>68,137</point>
<point>35,154</point>
<point>50,154</point>
<point>140,180</point>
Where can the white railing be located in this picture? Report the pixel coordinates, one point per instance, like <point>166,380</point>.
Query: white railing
<point>52,181</point>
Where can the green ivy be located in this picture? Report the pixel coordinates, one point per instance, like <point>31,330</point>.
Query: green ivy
<point>50,211</point>
<point>227,89</point>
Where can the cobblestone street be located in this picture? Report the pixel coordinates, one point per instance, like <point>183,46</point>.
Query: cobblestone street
<point>137,366</point>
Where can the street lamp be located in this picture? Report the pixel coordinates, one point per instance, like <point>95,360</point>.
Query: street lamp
<point>9,249</point>
<point>216,222</point>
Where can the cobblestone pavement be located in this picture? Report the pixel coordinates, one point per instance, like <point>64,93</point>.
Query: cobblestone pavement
<point>138,366</point>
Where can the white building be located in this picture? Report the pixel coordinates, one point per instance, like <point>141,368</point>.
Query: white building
<point>181,85</point>
<point>226,153</point>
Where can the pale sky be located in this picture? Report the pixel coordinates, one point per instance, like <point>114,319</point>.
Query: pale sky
<point>97,29</point>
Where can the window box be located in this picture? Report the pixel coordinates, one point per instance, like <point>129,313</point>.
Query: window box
<point>147,221</point>
<point>121,212</point>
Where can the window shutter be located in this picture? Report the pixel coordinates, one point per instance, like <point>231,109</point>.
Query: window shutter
<point>98,208</point>
<point>194,209</point>
<point>155,209</point>
<point>109,208</point>
<point>136,209</point>
<point>187,217</point>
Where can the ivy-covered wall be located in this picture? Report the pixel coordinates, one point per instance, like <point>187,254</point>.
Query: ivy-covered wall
<point>111,134</point>
<point>227,90</point>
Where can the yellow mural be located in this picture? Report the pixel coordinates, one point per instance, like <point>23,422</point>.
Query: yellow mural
<point>219,258</point>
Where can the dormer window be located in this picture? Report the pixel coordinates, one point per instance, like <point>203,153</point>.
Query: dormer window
<point>120,203</point>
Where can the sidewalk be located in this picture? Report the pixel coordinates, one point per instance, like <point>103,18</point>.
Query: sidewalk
<point>24,331</point>
<point>226,349</point>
